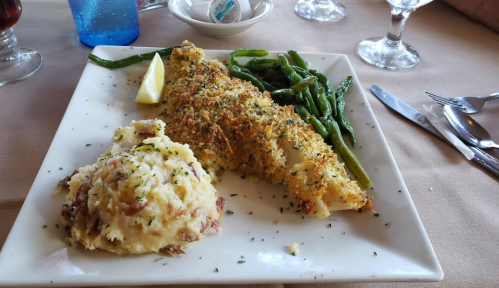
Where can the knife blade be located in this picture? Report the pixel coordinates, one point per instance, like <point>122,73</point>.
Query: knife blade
<point>482,158</point>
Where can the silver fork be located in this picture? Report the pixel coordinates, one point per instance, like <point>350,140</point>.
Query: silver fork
<point>469,104</point>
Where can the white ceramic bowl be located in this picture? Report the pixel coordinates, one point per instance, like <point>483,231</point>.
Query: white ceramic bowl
<point>180,8</point>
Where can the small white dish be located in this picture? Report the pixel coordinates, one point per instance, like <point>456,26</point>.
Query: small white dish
<point>181,9</point>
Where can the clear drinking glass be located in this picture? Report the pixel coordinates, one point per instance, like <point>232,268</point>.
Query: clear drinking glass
<point>146,5</point>
<point>105,22</point>
<point>16,64</point>
<point>321,10</point>
<point>390,52</point>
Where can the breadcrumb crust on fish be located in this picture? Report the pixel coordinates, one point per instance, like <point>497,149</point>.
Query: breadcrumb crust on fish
<point>230,125</point>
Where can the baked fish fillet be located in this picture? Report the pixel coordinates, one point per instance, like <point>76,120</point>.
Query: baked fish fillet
<point>229,124</point>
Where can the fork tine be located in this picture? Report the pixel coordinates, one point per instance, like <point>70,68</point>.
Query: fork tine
<point>443,101</point>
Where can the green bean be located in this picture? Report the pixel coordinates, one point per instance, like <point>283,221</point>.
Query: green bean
<point>298,87</point>
<point>283,99</point>
<point>236,72</point>
<point>279,85</point>
<point>272,76</point>
<point>269,87</point>
<point>346,154</point>
<point>313,88</point>
<point>287,91</point>
<point>345,124</point>
<point>319,127</point>
<point>242,69</point>
<point>343,87</point>
<point>297,59</point>
<point>340,99</point>
<point>288,70</point>
<point>113,64</point>
<point>295,89</point>
<point>323,104</point>
<point>302,72</point>
<point>299,98</point>
<point>311,103</point>
<point>328,88</point>
<point>245,53</point>
<point>302,111</point>
<point>304,83</point>
<point>316,124</point>
<point>294,78</point>
<point>274,73</point>
<point>259,65</point>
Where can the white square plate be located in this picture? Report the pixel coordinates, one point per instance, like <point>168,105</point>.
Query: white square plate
<point>348,246</point>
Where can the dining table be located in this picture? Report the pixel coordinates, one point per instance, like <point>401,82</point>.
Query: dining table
<point>456,200</point>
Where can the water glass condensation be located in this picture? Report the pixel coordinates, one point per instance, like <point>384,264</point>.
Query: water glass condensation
<point>106,22</point>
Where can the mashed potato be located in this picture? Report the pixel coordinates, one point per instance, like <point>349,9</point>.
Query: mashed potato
<point>145,194</point>
<point>294,249</point>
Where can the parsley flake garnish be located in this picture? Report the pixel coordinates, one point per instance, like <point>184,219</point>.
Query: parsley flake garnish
<point>144,144</point>
<point>375,254</point>
<point>141,195</point>
<point>229,212</point>
<point>88,145</point>
<point>241,262</point>
<point>216,270</point>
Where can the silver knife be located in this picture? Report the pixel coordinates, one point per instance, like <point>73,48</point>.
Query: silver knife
<point>481,158</point>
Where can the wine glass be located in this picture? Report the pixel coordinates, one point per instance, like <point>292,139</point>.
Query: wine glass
<point>321,10</point>
<point>16,64</point>
<point>390,52</point>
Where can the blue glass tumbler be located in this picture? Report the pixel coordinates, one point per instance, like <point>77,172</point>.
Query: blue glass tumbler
<point>106,22</point>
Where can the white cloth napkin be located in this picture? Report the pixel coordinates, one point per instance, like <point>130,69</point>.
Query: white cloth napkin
<point>438,122</point>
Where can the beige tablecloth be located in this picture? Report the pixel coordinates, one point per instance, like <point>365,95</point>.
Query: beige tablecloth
<point>456,200</point>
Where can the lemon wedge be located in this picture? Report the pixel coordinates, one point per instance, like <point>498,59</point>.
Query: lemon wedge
<point>151,88</point>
